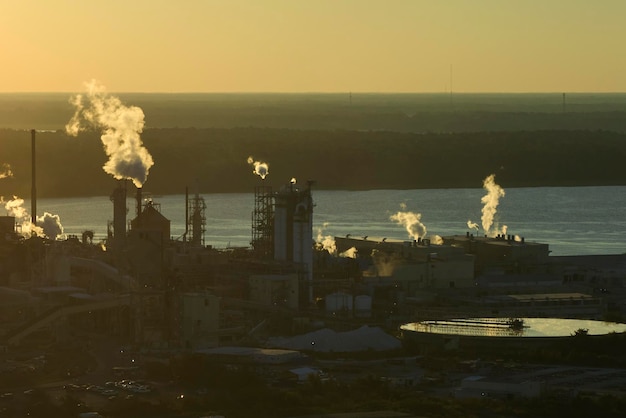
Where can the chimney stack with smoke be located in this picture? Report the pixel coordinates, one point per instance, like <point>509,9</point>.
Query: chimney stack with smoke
<point>490,202</point>
<point>33,190</point>
<point>119,214</point>
<point>261,169</point>
<point>139,198</point>
<point>121,127</point>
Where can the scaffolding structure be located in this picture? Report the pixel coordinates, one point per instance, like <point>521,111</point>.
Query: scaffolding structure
<point>196,220</point>
<point>263,222</point>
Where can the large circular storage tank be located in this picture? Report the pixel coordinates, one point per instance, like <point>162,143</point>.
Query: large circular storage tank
<point>338,302</point>
<point>517,333</point>
<point>363,306</point>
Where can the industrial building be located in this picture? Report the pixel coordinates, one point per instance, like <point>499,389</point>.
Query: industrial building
<point>179,294</point>
<point>161,293</point>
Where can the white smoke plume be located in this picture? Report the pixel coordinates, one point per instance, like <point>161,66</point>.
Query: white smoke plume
<point>472,225</point>
<point>436,240</point>
<point>121,127</point>
<point>325,242</point>
<point>261,169</point>
<point>411,222</point>
<point>48,225</point>
<point>490,203</point>
<point>15,208</point>
<point>51,225</point>
<point>349,253</point>
<point>5,171</point>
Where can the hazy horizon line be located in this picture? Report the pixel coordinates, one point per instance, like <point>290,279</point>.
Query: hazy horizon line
<point>326,92</point>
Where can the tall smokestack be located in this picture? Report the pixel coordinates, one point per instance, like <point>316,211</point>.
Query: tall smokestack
<point>119,214</point>
<point>33,190</point>
<point>139,201</point>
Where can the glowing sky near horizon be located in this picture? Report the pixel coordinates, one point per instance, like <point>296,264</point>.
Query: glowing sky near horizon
<point>314,46</point>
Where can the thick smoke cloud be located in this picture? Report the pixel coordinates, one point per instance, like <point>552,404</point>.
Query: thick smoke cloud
<point>490,205</point>
<point>325,242</point>
<point>121,127</point>
<point>261,169</point>
<point>51,225</point>
<point>5,171</point>
<point>15,208</point>
<point>411,222</point>
<point>48,225</point>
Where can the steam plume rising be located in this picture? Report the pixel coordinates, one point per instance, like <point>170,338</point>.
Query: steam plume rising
<point>351,252</point>
<point>325,242</point>
<point>490,201</point>
<point>472,225</point>
<point>437,240</point>
<point>411,222</point>
<point>5,171</point>
<point>50,225</point>
<point>14,207</point>
<point>261,169</point>
<point>120,125</point>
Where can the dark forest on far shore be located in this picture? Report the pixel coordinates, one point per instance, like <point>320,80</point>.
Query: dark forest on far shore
<point>213,160</point>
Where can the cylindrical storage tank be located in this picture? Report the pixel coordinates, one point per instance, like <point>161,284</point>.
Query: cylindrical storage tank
<point>363,306</point>
<point>337,302</point>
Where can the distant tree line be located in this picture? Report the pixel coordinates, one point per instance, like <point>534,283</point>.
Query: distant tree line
<point>214,160</point>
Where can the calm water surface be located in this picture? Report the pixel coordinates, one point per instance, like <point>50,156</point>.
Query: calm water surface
<point>573,221</point>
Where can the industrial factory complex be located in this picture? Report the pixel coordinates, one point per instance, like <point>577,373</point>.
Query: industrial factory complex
<point>286,297</point>
<point>180,294</point>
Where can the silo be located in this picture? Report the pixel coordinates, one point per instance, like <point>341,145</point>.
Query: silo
<point>293,229</point>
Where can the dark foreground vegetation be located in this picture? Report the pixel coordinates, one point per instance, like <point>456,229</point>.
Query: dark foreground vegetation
<point>214,160</point>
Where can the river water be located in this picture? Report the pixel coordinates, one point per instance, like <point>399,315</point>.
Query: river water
<point>572,220</point>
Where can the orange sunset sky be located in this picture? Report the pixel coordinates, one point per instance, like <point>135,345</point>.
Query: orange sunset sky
<point>314,46</point>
